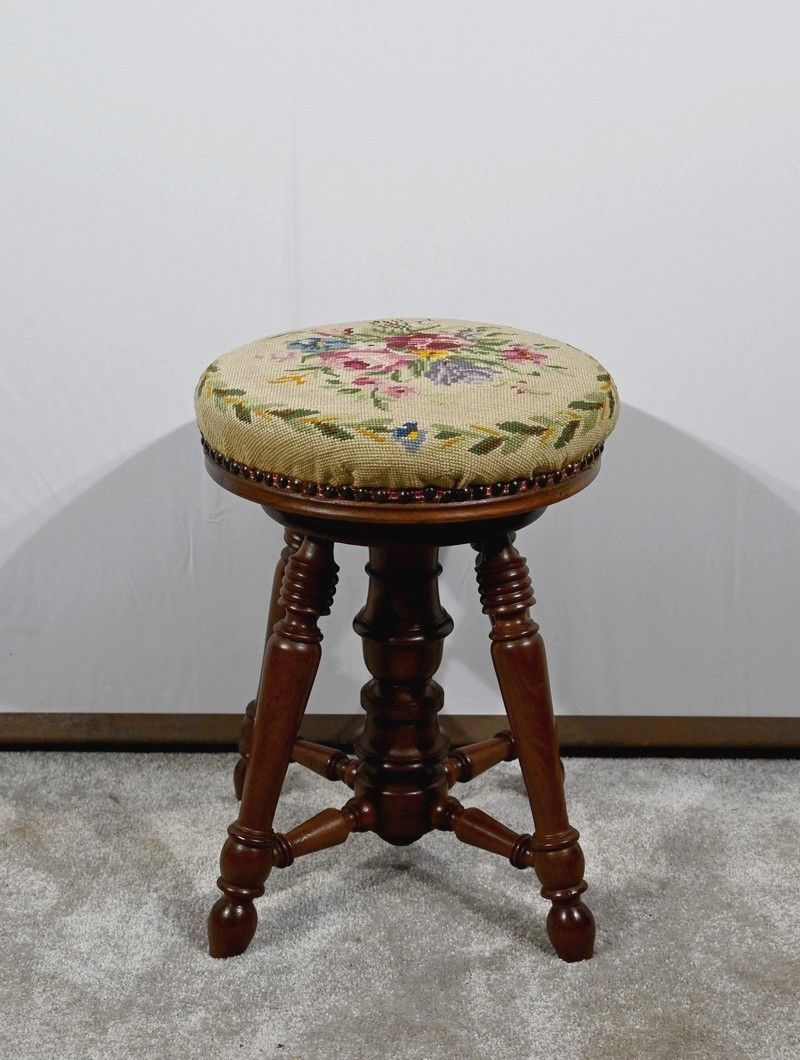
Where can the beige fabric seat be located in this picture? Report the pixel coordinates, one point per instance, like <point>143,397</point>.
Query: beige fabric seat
<point>406,403</point>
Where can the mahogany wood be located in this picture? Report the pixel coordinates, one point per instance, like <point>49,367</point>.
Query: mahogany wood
<point>478,829</point>
<point>328,828</point>
<point>328,762</point>
<point>368,518</point>
<point>470,761</point>
<point>292,542</point>
<point>402,746</point>
<point>402,770</point>
<point>291,658</point>
<point>519,661</point>
<point>245,741</point>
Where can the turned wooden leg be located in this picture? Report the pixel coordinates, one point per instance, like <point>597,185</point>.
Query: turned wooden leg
<point>292,543</point>
<point>519,661</point>
<point>291,658</point>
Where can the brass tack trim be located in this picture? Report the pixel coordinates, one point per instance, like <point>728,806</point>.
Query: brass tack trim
<point>537,480</point>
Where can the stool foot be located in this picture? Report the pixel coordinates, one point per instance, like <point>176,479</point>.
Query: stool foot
<point>570,924</point>
<point>246,861</point>
<point>231,927</point>
<point>571,930</point>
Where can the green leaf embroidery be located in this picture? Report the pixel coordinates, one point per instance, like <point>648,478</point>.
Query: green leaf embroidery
<point>330,430</point>
<point>293,414</point>
<point>485,445</point>
<point>589,421</point>
<point>513,442</point>
<point>204,378</point>
<point>587,405</point>
<point>566,435</point>
<point>515,427</point>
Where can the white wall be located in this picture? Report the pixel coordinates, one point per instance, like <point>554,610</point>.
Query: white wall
<point>179,178</point>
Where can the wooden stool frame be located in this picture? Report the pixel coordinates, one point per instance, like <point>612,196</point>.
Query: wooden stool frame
<point>402,769</point>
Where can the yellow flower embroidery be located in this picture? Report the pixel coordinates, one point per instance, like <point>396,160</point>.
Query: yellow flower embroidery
<point>433,355</point>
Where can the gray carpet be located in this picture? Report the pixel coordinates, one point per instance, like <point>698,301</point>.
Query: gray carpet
<point>436,951</point>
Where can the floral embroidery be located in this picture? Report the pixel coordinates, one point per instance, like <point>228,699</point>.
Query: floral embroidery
<point>377,365</point>
<point>457,370</point>
<point>410,436</point>
<point>383,358</point>
<point>519,353</point>
<point>317,342</point>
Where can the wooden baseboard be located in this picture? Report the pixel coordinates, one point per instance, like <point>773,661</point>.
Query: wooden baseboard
<point>579,735</point>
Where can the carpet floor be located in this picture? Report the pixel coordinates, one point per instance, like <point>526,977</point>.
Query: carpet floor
<point>108,864</point>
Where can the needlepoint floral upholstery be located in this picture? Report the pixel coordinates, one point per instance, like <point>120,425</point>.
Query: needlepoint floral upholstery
<point>406,403</point>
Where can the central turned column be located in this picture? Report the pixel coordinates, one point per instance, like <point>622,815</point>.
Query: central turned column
<point>402,746</point>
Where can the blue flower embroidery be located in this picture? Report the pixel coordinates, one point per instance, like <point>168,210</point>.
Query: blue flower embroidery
<point>458,370</point>
<point>318,342</point>
<point>410,436</point>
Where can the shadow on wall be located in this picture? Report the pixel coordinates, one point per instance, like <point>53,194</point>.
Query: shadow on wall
<point>672,585</point>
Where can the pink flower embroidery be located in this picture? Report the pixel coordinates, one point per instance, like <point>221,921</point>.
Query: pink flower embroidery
<point>425,341</point>
<point>369,358</point>
<point>519,353</point>
<point>397,390</point>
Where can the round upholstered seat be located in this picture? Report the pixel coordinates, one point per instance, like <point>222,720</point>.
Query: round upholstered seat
<point>406,404</point>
